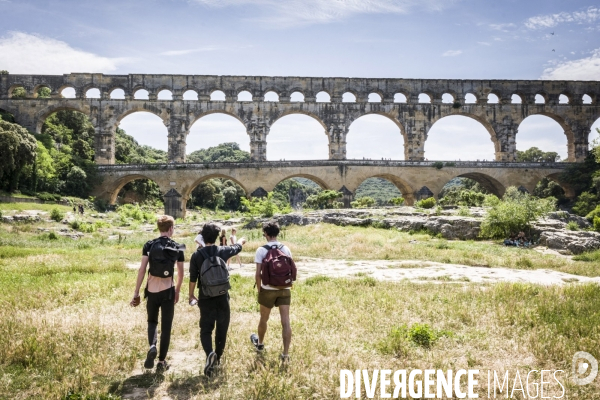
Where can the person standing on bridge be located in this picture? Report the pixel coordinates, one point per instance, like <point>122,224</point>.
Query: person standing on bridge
<point>161,293</point>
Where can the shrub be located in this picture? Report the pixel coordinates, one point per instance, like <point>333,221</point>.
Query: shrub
<point>52,236</point>
<point>586,203</point>
<point>516,212</point>
<point>572,226</point>
<point>315,280</point>
<point>396,201</point>
<point>464,212</point>
<point>265,206</point>
<point>363,202</point>
<point>597,224</point>
<point>524,263</point>
<point>402,337</point>
<point>324,199</point>
<point>56,215</point>
<point>44,196</point>
<point>438,165</point>
<point>426,203</point>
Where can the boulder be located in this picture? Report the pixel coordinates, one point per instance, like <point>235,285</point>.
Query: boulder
<point>570,242</point>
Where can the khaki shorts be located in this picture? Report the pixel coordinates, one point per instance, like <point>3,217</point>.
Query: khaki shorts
<point>270,298</point>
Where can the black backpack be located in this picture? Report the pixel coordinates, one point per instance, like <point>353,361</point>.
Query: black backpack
<point>214,276</point>
<point>162,257</point>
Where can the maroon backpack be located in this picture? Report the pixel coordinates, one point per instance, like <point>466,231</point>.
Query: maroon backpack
<point>278,269</point>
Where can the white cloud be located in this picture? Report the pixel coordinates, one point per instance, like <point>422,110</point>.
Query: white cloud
<point>502,27</point>
<point>298,12</point>
<point>484,43</point>
<point>551,20</point>
<point>23,53</point>
<point>587,68</point>
<point>452,53</point>
<point>186,51</point>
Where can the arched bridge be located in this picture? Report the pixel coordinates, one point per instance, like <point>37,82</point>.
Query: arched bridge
<point>415,179</point>
<point>400,100</point>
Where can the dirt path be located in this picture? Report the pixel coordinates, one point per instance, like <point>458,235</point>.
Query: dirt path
<point>418,271</point>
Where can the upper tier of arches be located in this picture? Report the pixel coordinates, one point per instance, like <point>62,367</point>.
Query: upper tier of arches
<point>364,90</point>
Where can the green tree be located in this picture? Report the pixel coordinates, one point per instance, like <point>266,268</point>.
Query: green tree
<point>19,93</point>
<point>44,93</point>
<point>76,183</point>
<point>534,154</point>
<point>224,152</point>
<point>363,202</point>
<point>324,199</point>
<point>17,149</point>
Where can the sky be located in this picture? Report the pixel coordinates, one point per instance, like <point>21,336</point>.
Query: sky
<point>458,39</point>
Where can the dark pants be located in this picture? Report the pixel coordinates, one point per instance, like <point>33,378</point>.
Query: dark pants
<point>165,302</point>
<point>214,311</point>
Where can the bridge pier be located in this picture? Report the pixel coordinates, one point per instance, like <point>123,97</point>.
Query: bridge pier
<point>174,204</point>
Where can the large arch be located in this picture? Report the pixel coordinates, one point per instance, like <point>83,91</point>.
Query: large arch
<point>488,182</point>
<point>113,190</point>
<point>216,127</point>
<point>310,177</point>
<point>403,186</point>
<point>297,135</point>
<point>380,189</point>
<point>187,191</point>
<point>474,135</point>
<point>41,116</point>
<point>375,135</point>
<point>146,127</point>
<point>546,131</point>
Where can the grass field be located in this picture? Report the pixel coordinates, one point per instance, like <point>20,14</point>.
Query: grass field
<point>66,327</point>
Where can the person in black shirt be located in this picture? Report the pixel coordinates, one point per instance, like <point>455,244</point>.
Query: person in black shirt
<point>213,310</point>
<point>162,294</point>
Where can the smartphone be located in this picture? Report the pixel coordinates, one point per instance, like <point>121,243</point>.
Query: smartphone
<point>193,302</point>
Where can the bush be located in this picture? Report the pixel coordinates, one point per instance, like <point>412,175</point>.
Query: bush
<point>56,215</point>
<point>265,207</point>
<point>438,165</point>
<point>586,203</point>
<point>363,202</point>
<point>52,236</point>
<point>426,203</point>
<point>516,212</point>
<point>597,224</point>
<point>396,201</point>
<point>572,226</point>
<point>322,200</point>
<point>44,196</point>
<point>402,337</point>
<point>464,212</point>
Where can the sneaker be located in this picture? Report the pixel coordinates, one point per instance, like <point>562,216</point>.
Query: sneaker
<point>149,363</point>
<point>284,358</point>
<point>211,362</point>
<point>161,367</point>
<point>254,339</point>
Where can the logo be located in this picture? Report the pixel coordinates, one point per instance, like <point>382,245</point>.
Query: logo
<point>278,265</point>
<point>584,364</point>
<point>166,273</point>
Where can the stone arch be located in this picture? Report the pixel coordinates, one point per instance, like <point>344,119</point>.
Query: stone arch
<point>494,98</point>
<point>375,97</point>
<point>37,88</point>
<point>565,96</point>
<point>163,89</point>
<point>115,187</point>
<point>520,98</point>
<point>136,92</point>
<point>298,93</point>
<point>321,94</point>
<point>446,94</point>
<point>65,87</point>
<point>41,116</point>
<point>243,93</point>
<point>216,93</point>
<point>470,97</point>
<point>423,100</point>
<point>161,113</point>
<point>400,97</point>
<point>568,188</point>
<point>352,92</point>
<point>189,92</point>
<point>588,99</point>
<point>304,139</point>
<point>271,94</point>
<point>313,178</point>
<point>543,95</point>
<point>187,191</point>
<point>272,89</point>
<point>488,182</point>
<point>229,131</point>
<point>407,190</point>
<point>486,125</point>
<point>561,122</point>
<point>117,87</point>
<point>14,86</point>
<point>396,122</point>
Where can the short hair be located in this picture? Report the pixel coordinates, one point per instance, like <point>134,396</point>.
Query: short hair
<point>164,223</point>
<point>233,230</point>
<point>271,228</point>
<point>210,232</point>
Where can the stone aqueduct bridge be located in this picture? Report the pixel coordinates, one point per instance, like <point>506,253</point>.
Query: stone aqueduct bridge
<point>415,179</point>
<point>413,119</point>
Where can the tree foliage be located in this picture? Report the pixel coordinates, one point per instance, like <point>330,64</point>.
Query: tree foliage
<point>514,213</point>
<point>534,154</point>
<point>379,189</point>
<point>363,202</point>
<point>324,199</point>
<point>129,151</point>
<point>17,149</point>
<point>224,152</point>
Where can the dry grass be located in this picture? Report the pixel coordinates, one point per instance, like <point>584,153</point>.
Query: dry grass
<point>65,325</point>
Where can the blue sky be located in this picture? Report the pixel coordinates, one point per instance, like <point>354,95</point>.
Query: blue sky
<point>464,39</point>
